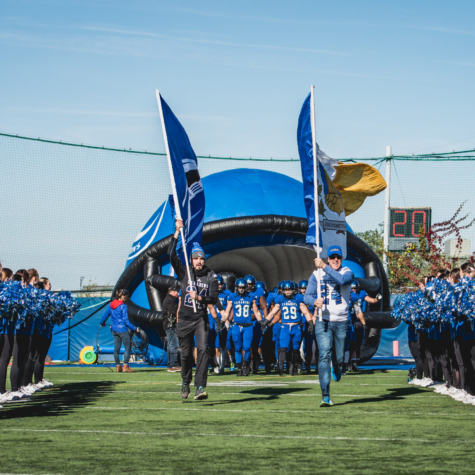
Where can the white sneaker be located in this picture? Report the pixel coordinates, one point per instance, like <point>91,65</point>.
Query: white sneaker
<point>8,397</point>
<point>440,388</point>
<point>415,381</point>
<point>35,387</point>
<point>19,394</point>
<point>28,390</point>
<point>468,399</point>
<point>24,392</point>
<point>47,383</point>
<point>40,385</point>
<point>32,389</point>
<point>426,383</point>
<point>434,384</point>
<point>452,390</point>
<point>459,395</point>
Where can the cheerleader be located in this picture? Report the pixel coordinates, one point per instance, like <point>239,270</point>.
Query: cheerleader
<point>21,346</point>
<point>422,339</point>
<point>8,330</point>
<point>448,341</point>
<point>414,349</point>
<point>40,344</point>
<point>467,346</point>
<point>6,274</point>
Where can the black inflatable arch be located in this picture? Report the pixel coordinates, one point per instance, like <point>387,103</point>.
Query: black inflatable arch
<point>273,244</point>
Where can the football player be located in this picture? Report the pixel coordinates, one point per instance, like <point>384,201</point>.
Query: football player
<point>258,293</point>
<point>240,308</point>
<point>361,298</point>
<point>288,309</point>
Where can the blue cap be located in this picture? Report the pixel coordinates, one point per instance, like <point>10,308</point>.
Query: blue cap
<point>197,251</point>
<point>332,250</point>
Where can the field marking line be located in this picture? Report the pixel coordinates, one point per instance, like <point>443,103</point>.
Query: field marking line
<point>252,436</point>
<point>252,411</point>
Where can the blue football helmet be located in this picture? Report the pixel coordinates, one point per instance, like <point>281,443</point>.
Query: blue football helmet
<point>279,287</point>
<point>275,290</point>
<point>355,285</point>
<point>224,286</point>
<point>251,282</point>
<point>261,285</point>
<point>288,289</point>
<point>303,284</point>
<point>220,280</point>
<point>241,287</point>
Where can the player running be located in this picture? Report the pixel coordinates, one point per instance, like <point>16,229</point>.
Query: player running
<point>239,310</point>
<point>289,308</point>
<point>258,293</point>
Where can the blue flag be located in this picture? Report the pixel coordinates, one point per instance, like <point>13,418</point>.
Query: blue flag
<point>189,190</point>
<point>332,223</point>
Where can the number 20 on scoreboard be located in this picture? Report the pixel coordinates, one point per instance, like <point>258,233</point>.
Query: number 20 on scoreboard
<point>406,222</point>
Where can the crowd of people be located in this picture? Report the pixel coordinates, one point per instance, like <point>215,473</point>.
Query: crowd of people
<point>28,313</point>
<point>441,333</point>
<point>214,325</point>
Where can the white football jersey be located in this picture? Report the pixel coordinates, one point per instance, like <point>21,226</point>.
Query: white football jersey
<point>336,297</point>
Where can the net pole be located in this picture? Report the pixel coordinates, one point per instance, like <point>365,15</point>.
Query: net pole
<point>315,194</point>
<point>386,208</point>
<point>175,195</point>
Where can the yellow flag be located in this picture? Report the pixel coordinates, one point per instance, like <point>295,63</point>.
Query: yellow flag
<point>356,181</point>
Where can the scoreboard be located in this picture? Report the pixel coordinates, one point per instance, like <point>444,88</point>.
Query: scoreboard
<point>405,224</point>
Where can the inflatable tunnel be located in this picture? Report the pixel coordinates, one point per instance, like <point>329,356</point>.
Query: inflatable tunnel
<point>255,223</point>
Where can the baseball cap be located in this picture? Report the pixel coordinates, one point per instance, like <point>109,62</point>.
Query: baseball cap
<point>335,250</point>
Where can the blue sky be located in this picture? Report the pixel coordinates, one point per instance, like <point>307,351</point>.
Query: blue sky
<point>236,75</point>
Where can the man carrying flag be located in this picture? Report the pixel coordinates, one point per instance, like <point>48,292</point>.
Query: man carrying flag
<point>330,285</point>
<point>201,292</point>
<point>198,285</point>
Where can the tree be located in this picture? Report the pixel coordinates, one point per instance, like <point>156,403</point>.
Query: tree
<point>374,239</point>
<point>407,269</point>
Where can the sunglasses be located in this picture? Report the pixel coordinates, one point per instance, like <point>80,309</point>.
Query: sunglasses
<point>335,256</point>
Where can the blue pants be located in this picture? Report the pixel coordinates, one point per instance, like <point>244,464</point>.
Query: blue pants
<point>242,338</point>
<point>330,335</point>
<point>290,336</point>
<point>120,338</point>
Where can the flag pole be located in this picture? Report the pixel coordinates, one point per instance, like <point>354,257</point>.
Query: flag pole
<point>175,196</point>
<point>315,194</point>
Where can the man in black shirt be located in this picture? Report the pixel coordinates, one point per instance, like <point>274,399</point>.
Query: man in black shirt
<point>203,290</point>
<point>170,307</point>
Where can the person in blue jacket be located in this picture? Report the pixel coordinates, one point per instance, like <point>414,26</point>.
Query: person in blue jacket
<point>119,327</point>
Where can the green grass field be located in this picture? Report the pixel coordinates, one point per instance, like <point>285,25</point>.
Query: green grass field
<point>96,421</point>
